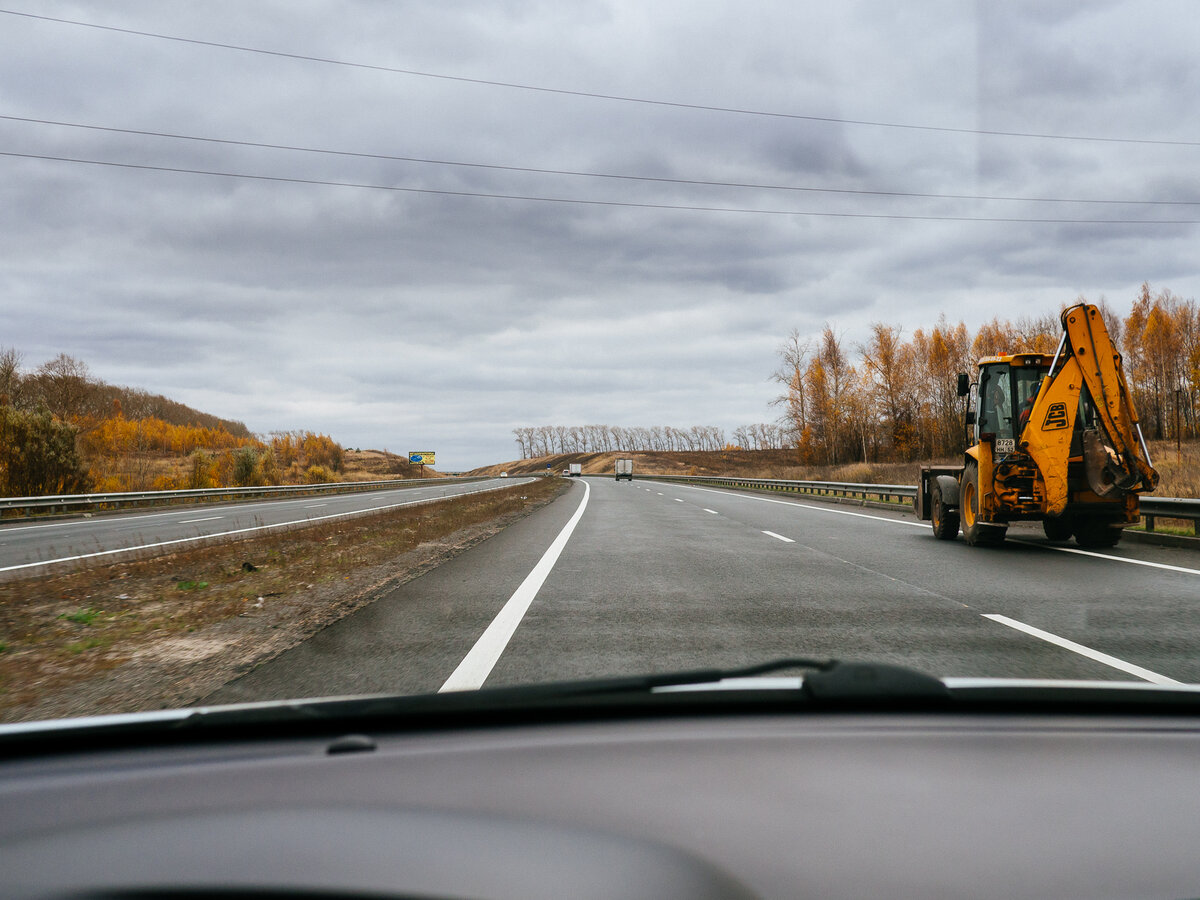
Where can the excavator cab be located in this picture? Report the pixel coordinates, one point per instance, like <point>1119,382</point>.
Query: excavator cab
<point>1008,387</point>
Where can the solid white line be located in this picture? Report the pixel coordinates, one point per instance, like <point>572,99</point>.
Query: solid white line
<point>220,534</point>
<point>473,671</point>
<point>824,509</point>
<point>1082,650</point>
<point>1121,559</point>
<point>316,506</point>
<point>844,512</point>
<point>779,537</point>
<point>205,519</point>
<point>713,511</point>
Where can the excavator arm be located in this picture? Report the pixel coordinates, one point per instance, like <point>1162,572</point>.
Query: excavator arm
<point>1115,456</point>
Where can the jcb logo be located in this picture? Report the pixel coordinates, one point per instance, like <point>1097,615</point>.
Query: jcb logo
<point>1056,417</point>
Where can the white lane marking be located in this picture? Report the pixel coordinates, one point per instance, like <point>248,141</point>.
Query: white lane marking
<point>205,519</point>
<point>475,667</point>
<point>824,509</point>
<point>779,537</point>
<point>713,511</point>
<point>1122,559</point>
<point>677,500</point>
<point>245,506</point>
<point>220,534</point>
<point>316,506</point>
<point>659,493</point>
<point>844,512</point>
<point>89,521</point>
<point>1082,650</point>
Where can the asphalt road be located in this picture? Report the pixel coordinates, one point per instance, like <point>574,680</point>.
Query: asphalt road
<point>33,547</point>
<point>621,577</point>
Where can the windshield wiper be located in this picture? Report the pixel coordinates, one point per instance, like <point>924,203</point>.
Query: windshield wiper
<point>825,680</point>
<point>827,683</point>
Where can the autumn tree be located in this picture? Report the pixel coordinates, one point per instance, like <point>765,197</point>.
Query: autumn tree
<point>38,455</point>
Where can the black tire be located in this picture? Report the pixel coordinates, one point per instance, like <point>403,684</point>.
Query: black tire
<point>1058,529</point>
<point>975,532</point>
<point>1096,534</point>
<point>945,521</point>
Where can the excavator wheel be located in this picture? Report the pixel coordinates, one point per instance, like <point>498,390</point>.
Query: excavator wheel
<point>1058,529</point>
<point>1096,534</point>
<point>945,521</point>
<point>974,531</point>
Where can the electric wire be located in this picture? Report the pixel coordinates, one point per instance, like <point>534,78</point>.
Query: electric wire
<point>588,202</point>
<point>600,175</point>
<point>592,95</point>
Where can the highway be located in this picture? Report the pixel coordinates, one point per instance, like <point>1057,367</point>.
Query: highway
<point>630,577</point>
<point>34,547</point>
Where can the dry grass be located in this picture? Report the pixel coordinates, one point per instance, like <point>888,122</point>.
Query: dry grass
<point>1178,471</point>
<point>61,630</point>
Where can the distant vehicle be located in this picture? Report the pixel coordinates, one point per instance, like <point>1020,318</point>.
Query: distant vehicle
<point>624,469</point>
<point>574,470</point>
<point>503,474</point>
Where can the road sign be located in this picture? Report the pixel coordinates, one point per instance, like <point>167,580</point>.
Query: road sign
<point>421,457</point>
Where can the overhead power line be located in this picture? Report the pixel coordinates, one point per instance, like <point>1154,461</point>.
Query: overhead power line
<point>591,95</point>
<point>603,175</point>
<point>586,202</point>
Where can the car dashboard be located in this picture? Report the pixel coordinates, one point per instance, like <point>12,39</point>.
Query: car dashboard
<point>845,804</point>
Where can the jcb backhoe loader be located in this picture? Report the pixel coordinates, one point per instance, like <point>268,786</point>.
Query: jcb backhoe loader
<point>1051,439</point>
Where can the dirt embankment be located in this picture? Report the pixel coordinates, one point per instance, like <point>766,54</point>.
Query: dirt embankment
<point>166,631</point>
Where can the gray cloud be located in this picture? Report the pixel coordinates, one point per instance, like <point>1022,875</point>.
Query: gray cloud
<point>406,320</point>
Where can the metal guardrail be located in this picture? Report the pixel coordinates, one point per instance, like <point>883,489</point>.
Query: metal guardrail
<point>1170,508</point>
<point>895,494</point>
<point>135,498</point>
<point>881,493</point>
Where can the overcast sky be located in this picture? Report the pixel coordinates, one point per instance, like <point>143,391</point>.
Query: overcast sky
<point>405,312</point>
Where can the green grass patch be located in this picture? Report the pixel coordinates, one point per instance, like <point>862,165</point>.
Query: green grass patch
<point>82,616</point>
<point>90,644</point>
<point>191,585</point>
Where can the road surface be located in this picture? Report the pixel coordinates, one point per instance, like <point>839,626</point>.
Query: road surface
<point>34,547</point>
<point>631,577</point>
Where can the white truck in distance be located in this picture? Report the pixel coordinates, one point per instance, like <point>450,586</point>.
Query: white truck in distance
<point>624,469</point>
<point>574,470</point>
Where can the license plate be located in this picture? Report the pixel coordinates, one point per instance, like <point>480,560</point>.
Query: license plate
<point>1006,445</point>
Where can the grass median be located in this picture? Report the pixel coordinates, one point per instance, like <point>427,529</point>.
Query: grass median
<point>163,632</point>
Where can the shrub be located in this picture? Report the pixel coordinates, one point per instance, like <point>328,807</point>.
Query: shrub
<point>318,475</point>
<point>245,468</point>
<point>38,455</point>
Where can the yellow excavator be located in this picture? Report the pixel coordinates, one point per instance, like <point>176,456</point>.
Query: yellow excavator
<point>1050,439</point>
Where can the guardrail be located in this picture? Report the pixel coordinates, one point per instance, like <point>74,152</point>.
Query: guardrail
<point>1152,508</point>
<point>136,498</point>
<point>894,494</point>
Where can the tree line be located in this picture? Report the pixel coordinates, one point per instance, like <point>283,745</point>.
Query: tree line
<point>64,432</point>
<point>545,440</point>
<point>892,398</point>
<point>65,387</point>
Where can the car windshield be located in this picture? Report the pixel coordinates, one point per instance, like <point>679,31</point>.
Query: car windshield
<point>354,348</point>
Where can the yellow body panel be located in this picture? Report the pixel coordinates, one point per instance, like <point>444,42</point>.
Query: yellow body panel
<point>1047,434</point>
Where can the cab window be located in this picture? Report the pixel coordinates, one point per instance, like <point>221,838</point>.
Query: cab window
<point>995,401</point>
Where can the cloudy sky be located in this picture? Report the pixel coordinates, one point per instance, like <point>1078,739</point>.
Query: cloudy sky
<point>474,216</point>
